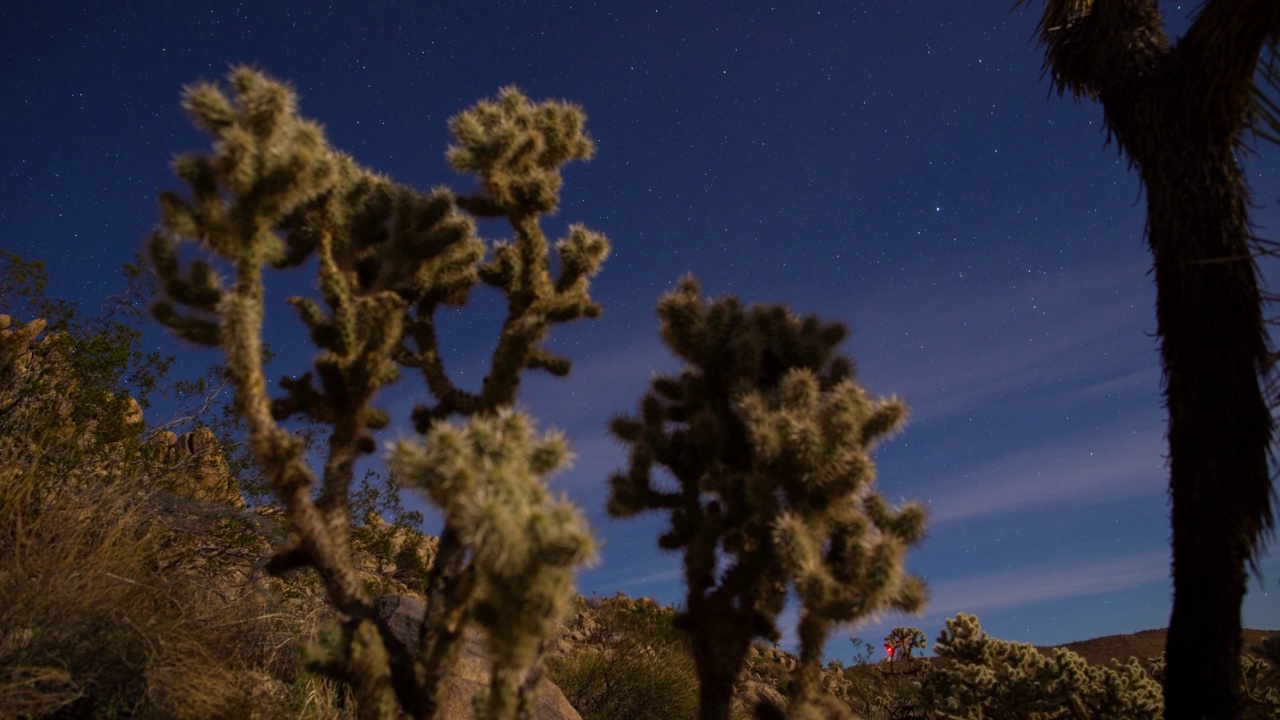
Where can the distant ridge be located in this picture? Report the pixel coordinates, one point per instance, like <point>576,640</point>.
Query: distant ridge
<point>1142,645</point>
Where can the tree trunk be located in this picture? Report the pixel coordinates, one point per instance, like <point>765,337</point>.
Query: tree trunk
<point>1179,112</point>
<point>719,647</point>
<point>1208,307</point>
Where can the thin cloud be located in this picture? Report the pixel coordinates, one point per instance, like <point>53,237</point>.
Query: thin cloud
<point>988,354</point>
<point>644,575</point>
<point>1045,583</point>
<point>995,595</point>
<point>1005,590</point>
<point>1099,467</point>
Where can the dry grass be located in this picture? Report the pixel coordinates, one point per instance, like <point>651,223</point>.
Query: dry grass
<point>629,663</point>
<point>109,609</point>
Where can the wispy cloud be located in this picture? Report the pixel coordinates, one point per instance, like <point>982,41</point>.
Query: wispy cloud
<point>652,576</point>
<point>946,355</point>
<point>1095,468</point>
<point>1004,590</point>
<point>996,596</point>
<point>1046,582</point>
<point>665,576</point>
<point>599,385</point>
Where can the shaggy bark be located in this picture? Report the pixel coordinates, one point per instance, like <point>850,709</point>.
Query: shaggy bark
<point>1179,111</point>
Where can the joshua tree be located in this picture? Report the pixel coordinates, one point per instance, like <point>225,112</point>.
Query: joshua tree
<point>906,640</point>
<point>273,193</point>
<point>769,440</point>
<point>1180,112</point>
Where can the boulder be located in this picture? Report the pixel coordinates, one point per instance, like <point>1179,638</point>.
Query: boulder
<point>205,474</point>
<point>403,615</point>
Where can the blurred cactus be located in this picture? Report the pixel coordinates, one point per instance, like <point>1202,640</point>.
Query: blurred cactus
<point>274,193</point>
<point>992,678</point>
<point>769,439</point>
<point>487,479</point>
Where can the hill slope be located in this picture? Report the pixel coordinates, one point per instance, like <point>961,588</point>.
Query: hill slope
<point>1142,645</point>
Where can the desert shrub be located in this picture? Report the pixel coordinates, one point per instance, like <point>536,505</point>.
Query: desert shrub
<point>887,690</point>
<point>628,683</point>
<point>90,609</point>
<point>118,595</point>
<point>631,664</point>
<point>879,691</point>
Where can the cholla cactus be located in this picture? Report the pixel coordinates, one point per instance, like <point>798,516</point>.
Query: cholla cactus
<point>769,440</point>
<point>516,148</point>
<point>991,678</point>
<point>1261,687</point>
<point>274,193</point>
<point>487,479</point>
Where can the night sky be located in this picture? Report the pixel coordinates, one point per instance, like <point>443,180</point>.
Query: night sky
<point>902,167</point>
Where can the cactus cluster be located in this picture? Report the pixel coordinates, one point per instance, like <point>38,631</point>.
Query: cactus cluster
<point>769,440</point>
<point>274,194</point>
<point>766,432</point>
<point>993,678</point>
